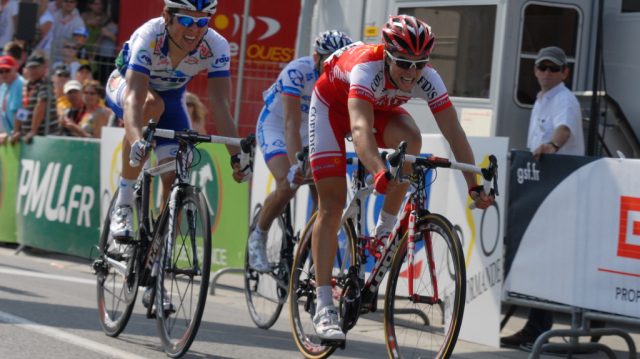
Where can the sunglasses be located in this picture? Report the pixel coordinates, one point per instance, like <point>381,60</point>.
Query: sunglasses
<point>552,68</point>
<point>4,71</point>
<point>188,21</point>
<point>407,64</point>
<point>89,93</point>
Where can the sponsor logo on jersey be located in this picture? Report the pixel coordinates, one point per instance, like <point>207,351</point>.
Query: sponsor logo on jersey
<point>191,60</point>
<point>296,77</point>
<point>144,57</point>
<point>427,87</point>
<point>204,50</point>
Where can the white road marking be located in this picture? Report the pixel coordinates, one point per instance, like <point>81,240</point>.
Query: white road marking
<point>66,337</point>
<point>28,273</point>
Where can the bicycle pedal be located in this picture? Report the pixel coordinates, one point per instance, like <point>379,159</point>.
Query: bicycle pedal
<point>334,343</point>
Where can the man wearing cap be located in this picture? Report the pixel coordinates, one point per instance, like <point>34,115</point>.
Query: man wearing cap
<point>72,114</point>
<point>10,94</point>
<point>555,127</point>
<point>556,120</point>
<point>31,119</point>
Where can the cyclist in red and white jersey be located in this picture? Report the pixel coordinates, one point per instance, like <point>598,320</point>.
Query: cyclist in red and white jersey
<point>360,93</point>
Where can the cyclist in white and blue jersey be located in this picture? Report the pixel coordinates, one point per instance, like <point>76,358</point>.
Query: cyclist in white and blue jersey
<point>149,82</point>
<point>282,131</point>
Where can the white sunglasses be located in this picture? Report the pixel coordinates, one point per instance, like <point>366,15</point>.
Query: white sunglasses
<point>407,64</point>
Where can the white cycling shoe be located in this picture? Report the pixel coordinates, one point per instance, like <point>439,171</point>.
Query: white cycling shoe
<point>258,253</point>
<point>327,324</point>
<point>122,222</point>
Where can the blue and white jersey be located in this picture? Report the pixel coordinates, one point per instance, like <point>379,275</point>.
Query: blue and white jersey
<point>147,51</point>
<point>296,79</point>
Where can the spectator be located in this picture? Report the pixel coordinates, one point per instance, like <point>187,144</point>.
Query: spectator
<point>95,18</point>
<point>10,95</point>
<point>95,114</point>
<point>197,113</point>
<point>8,18</point>
<point>555,127</point>
<point>83,74</point>
<point>69,59</point>
<point>16,50</point>
<point>31,119</point>
<point>106,50</point>
<point>72,115</point>
<point>66,21</point>
<point>556,120</point>
<point>60,77</point>
<point>80,36</point>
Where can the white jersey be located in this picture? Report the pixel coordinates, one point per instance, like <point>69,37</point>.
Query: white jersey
<point>296,79</point>
<point>147,51</point>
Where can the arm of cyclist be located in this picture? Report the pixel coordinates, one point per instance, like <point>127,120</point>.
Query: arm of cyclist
<point>133,116</point>
<point>449,125</point>
<point>291,109</point>
<point>219,90</point>
<point>361,120</point>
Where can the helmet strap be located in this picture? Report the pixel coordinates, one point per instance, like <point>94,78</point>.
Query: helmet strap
<point>388,72</point>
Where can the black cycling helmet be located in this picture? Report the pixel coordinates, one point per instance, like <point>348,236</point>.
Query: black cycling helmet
<point>208,6</point>
<point>329,41</point>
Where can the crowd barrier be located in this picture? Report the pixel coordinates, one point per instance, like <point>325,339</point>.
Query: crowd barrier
<point>573,242</point>
<point>54,192</point>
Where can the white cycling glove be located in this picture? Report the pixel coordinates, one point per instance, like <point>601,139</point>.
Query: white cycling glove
<point>137,153</point>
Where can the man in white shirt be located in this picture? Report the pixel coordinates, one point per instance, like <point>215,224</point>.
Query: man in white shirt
<point>555,127</point>
<point>556,121</point>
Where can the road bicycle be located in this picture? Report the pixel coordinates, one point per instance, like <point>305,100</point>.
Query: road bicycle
<point>266,293</point>
<point>170,254</point>
<point>423,304</point>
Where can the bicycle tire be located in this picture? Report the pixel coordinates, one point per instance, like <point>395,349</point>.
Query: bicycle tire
<point>264,294</point>
<point>302,303</point>
<point>185,265</point>
<point>422,330</point>
<point>116,292</point>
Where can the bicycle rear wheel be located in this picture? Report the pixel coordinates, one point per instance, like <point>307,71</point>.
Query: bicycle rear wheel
<point>266,293</point>
<point>117,271</point>
<point>302,289</point>
<point>415,328</point>
<point>182,282</point>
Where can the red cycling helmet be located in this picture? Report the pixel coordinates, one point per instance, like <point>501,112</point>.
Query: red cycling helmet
<point>407,35</point>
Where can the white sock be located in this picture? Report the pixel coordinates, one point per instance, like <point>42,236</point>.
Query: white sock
<point>125,195</point>
<point>324,298</point>
<point>385,224</point>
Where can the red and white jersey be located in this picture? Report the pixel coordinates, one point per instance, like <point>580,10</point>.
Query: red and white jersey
<point>357,71</point>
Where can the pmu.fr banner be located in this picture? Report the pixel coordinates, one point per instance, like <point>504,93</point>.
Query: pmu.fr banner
<point>227,200</point>
<point>573,232</point>
<point>9,164</point>
<point>57,204</point>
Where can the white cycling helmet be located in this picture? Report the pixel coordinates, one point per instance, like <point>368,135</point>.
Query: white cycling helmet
<point>208,6</point>
<point>329,41</point>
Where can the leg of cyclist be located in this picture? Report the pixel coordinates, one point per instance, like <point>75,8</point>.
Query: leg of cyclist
<point>273,206</point>
<point>331,196</point>
<point>395,126</point>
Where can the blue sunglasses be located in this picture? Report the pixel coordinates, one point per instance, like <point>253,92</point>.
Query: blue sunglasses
<point>188,21</point>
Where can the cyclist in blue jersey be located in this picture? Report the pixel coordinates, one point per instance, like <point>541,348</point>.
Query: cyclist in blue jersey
<point>282,131</point>
<point>149,82</point>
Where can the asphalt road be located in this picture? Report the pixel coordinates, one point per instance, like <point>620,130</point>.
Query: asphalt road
<point>48,310</point>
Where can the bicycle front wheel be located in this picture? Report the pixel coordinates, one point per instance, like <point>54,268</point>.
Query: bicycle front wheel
<point>266,293</point>
<point>302,289</point>
<point>117,272</point>
<point>183,278</point>
<point>423,323</point>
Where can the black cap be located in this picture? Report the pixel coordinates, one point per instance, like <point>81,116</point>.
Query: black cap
<point>61,70</point>
<point>35,60</point>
